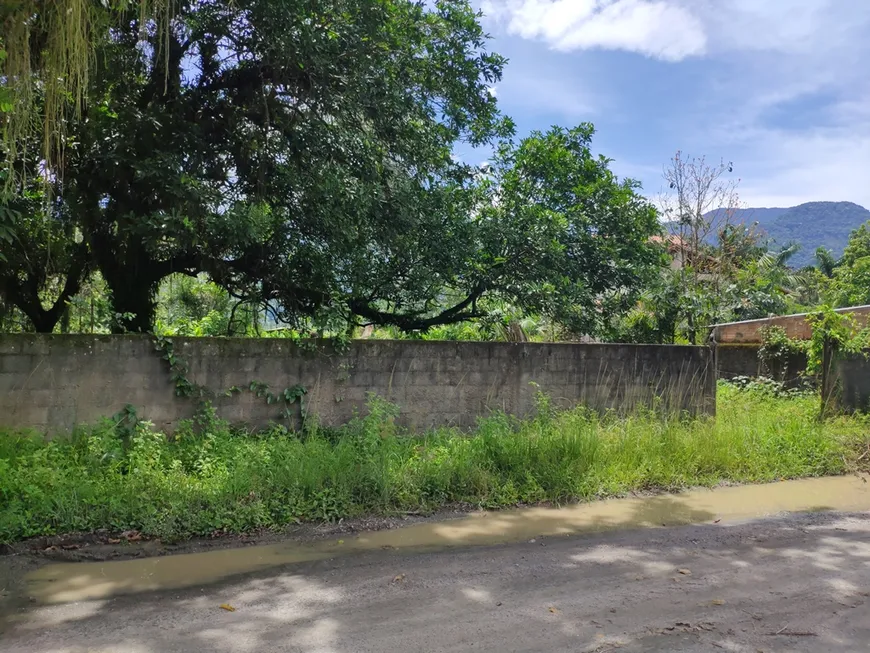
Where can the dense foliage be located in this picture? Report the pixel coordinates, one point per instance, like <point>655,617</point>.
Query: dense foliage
<point>232,167</point>
<point>301,156</point>
<point>46,58</point>
<point>209,479</point>
<point>850,275</point>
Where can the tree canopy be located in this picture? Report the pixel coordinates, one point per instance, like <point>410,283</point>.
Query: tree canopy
<point>850,276</point>
<point>270,142</point>
<point>301,155</point>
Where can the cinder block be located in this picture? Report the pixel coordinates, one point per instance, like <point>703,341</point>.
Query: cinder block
<point>40,397</point>
<point>12,382</point>
<point>88,376</point>
<point>18,363</point>
<point>24,415</point>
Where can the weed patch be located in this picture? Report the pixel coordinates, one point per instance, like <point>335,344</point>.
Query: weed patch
<point>210,478</point>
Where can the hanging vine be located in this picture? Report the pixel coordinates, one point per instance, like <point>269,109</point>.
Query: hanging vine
<point>47,53</point>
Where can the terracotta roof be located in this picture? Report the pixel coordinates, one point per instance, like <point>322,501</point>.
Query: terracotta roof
<point>673,241</point>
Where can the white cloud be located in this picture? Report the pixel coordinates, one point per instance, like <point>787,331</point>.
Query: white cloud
<point>673,30</point>
<point>655,28</point>
<point>787,26</point>
<point>777,86</point>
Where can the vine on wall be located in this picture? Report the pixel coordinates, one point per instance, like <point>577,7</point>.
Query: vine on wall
<point>777,349</point>
<point>839,331</point>
<point>185,387</point>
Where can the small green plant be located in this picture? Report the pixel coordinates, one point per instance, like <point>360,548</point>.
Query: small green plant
<point>260,390</point>
<point>777,347</point>
<point>288,397</point>
<point>126,420</point>
<point>326,505</point>
<point>838,331</point>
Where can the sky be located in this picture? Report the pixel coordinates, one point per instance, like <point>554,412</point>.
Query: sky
<point>780,88</point>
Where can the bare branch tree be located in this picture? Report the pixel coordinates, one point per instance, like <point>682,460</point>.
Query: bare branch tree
<point>698,204</point>
<point>699,200</point>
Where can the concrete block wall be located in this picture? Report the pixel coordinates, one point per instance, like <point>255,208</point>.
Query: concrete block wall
<point>846,383</point>
<point>796,326</point>
<point>53,382</point>
<point>741,359</point>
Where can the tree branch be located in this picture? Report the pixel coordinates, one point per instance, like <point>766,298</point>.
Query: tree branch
<point>413,322</point>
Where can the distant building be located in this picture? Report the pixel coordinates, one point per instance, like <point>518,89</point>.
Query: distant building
<point>682,253</point>
<point>677,249</point>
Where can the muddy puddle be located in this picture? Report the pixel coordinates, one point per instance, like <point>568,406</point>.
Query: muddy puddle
<point>68,582</point>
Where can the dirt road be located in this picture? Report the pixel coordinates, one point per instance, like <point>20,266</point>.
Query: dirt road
<point>794,583</point>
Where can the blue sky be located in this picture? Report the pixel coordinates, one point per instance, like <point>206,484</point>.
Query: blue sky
<point>779,87</point>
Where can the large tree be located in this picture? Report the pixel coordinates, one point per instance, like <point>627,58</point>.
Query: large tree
<point>301,154</point>
<point>544,227</point>
<point>562,235</point>
<point>276,141</point>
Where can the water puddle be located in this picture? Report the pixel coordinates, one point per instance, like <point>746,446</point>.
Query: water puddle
<point>67,582</point>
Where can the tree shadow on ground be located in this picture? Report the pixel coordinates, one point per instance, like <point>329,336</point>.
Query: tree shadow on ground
<point>795,583</point>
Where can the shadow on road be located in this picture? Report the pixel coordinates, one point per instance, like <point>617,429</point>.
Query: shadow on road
<point>797,583</point>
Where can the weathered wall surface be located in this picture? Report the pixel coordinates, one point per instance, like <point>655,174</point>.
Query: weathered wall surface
<point>738,359</point>
<point>52,383</point>
<point>846,386</point>
<point>796,326</point>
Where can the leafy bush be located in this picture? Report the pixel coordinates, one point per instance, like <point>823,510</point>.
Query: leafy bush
<point>840,331</point>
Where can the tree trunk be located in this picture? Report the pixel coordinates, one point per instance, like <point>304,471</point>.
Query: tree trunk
<point>132,277</point>
<point>25,294</point>
<point>43,321</point>
<point>133,303</point>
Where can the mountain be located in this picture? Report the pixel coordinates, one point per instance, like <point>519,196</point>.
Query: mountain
<point>748,216</point>
<point>811,225</point>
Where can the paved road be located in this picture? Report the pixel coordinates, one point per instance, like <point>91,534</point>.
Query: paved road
<point>798,583</point>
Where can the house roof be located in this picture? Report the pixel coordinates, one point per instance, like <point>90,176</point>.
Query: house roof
<point>674,242</point>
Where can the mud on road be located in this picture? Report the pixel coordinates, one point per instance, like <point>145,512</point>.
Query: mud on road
<point>793,583</point>
<point>465,525</point>
<point>531,580</point>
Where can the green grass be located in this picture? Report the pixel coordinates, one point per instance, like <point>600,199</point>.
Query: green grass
<point>209,478</point>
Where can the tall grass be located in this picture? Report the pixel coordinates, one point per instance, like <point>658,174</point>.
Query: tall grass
<point>209,478</point>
